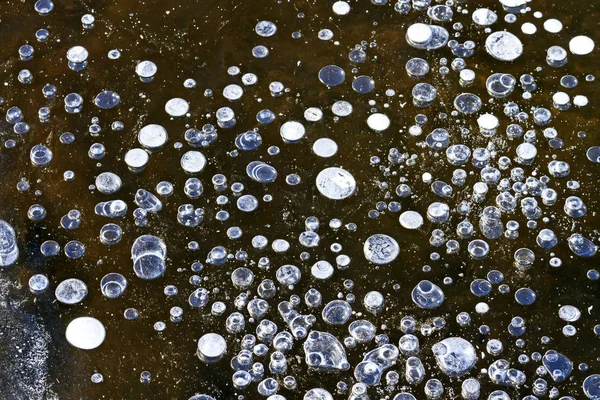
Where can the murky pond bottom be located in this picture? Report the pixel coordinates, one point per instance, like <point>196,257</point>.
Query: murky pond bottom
<point>299,200</point>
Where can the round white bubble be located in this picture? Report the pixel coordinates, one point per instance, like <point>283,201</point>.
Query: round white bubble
<point>108,183</point>
<point>146,69</point>
<point>513,3</point>
<point>212,346</point>
<point>77,54</point>
<point>152,136</point>
<point>526,151</point>
<point>292,131</point>
<point>341,8</point>
<point>504,46</point>
<point>581,45</point>
<point>85,333</point>
<point>136,158</point>
<point>419,33</point>
<point>71,291</point>
<point>335,183</point>
<point>342,108</point>
<point>561,99</point>
<point>381,249</point>
<point>193,162</point>
<point>488,122</point>
<point>378,122</point>
<point>528,28</point>
<point>313,114</point>
<point>411,220</point>
<point>177,107</point>
<point>325,147</point>
<point>580,101</point>
<point>322,270</point>
<point>484,17</point>
<point>233,92</point>
<point>553,25</point>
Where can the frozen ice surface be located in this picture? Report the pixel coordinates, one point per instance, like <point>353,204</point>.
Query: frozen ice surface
<point>468,187</point>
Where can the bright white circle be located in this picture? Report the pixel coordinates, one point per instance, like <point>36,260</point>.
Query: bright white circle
<point>580,101</point>
<point>152,136</point>
<point>581,45</point>
<point>553,25</point>
<point>212,345</point>
<point>342,108</point>
<point>77,54</point>
<point>322,270</point>
<point>381,249</point>
<point>108,182</point>
<point>193,162</point>
<point>341,8</point>
<point>177,107</point>
<point>419,33</point>
<point>504,46</point>
<point>411,220</point>
<point>378,122</point>
<point>313,114</point>
<point>526,151</point>
<point>136,158</point>
<point>336,183</point>
<point>528,28</point>
<point>513,3</point>
<point>233,92</point>
<point>561,98</point>
<point>482,308</point>
<point>146,69</point>
<point>484,17</point>
<point>488,121</point>
<point>292,131</point>
<point>325,147</point>
<point>85,333</point>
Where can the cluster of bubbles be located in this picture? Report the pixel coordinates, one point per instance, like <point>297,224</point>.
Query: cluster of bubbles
<point>503,185</point>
